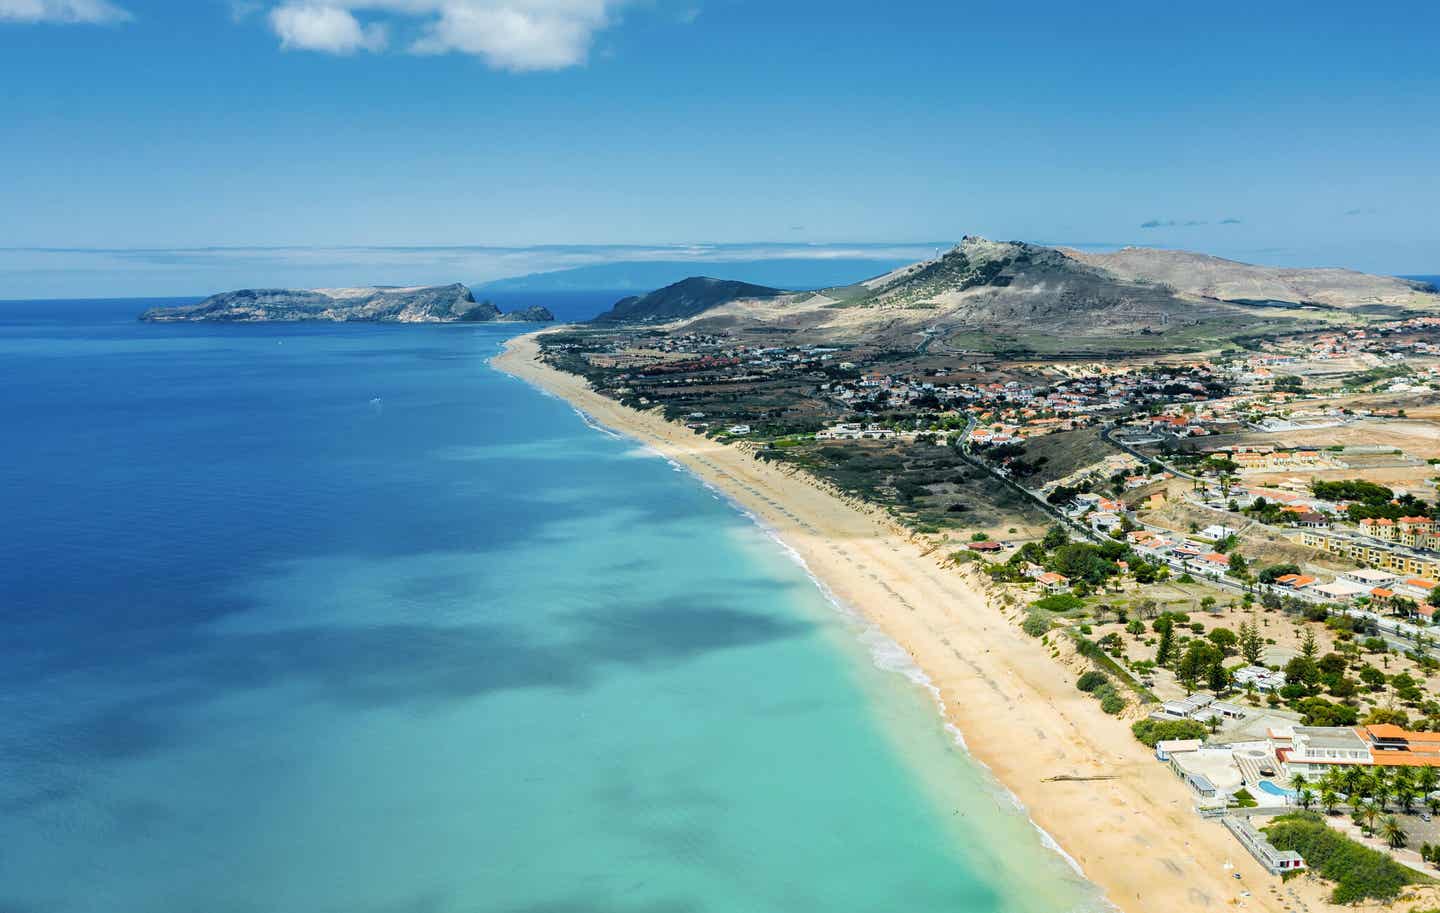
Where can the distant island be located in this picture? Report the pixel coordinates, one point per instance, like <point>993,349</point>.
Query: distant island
<point>373,304</point>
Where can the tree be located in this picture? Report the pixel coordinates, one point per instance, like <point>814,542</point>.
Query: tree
<point>1217,679</point>
<point>1239,567</point>
<point>1368,813</point>
<point>1166,648</point>
<point>1055,537</point>
<point>1329,800</point>
<point>1406,795</point>
<point>1224,639</point>
<point>1270,572</point>
<point>1302,671</point>
<point>1252,646</point>
<point>1393,833</point>
<point>1306,798</point>
<point>1196,661</point>
<point>1428,779</point>
<point>1308,645</point>
<point>1352,778</point>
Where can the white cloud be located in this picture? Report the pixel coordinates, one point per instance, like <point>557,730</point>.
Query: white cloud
<point>324,27</point>
<point>62,11</point>
<point>518,35</point>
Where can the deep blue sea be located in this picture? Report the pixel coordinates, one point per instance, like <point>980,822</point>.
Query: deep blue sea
<point>338,619</point>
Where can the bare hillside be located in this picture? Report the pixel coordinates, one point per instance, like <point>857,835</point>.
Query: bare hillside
<point>1229,280</point>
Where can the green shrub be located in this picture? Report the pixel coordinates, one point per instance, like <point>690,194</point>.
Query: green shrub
<point>1092,680</point>
<point>1359,873</point>
<point>1060,602</point>
<point>1244,799</point>
<point>1112,703</point>
<point>1035,624</point>
<point>1150,732</point>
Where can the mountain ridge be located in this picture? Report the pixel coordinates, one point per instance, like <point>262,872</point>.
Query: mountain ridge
<point>984,294</point>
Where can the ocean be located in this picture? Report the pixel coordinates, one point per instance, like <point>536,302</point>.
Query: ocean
<point>338,619</point>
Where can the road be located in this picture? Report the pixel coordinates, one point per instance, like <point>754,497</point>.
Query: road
<point>1107,435</point>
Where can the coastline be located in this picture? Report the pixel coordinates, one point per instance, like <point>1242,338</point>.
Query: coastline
<point>1014,706</point>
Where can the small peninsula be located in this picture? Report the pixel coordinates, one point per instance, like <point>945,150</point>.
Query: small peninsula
<point>373,304</point>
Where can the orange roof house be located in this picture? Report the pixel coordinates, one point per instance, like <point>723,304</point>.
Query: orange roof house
<point>1392,746</point>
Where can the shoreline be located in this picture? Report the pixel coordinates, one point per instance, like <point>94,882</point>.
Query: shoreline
<point>1012,705</point>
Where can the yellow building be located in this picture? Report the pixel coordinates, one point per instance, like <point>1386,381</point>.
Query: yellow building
<point>1370,553</point>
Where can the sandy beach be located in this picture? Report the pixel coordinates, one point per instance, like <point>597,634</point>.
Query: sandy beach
<point>1135,836</point>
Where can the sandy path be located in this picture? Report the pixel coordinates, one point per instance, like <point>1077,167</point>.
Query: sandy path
<point>1018,709</point>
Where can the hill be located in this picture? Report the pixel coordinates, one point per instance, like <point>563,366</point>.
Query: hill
<point>686,298</point>
<point>420,304</point>
<point>1228,280</point>
<point>1015,297</point>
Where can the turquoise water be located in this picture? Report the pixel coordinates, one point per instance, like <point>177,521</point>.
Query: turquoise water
<point>313,619</point>
<point>1267,786</point>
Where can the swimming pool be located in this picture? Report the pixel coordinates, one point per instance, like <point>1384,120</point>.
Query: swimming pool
<point>1267,786</point>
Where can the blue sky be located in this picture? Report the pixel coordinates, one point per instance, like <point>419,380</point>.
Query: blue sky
<point>145,142</point>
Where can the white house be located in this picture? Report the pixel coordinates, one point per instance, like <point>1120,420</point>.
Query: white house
<point>1262,678</point>
<point>1370,578</point>
<point>1216,532</point>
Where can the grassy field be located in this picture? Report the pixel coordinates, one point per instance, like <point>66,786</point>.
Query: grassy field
<point>1065,452</point>
<point>932,488</point>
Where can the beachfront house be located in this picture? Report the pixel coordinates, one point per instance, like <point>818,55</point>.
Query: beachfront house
<point>1166,747</point>
<point>1053,583</point>
<point>1315,749</point>
<point>1276,862</point>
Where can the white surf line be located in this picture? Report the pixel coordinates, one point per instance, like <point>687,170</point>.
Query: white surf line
<point>917,676</point>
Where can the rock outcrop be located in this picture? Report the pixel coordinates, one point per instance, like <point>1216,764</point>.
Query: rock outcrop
<point>533,314</point>
<point>686,298</point>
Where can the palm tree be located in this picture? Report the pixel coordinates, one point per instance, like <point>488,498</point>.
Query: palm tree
<point>1330,780</point>
<point>1306,798</point>
<point>1433,803</point>
<point>1368,813</point>
<point>1298,781</point>
<point>1353,777</point>
<point>1328,800</point>
<point>1406,795</point>
<point>1383,792</point>
<point>1393,833</point>
<point>1365,785</point>
<point>1428,780</point>
<point>1384,777</point>
<point>1404,776</point>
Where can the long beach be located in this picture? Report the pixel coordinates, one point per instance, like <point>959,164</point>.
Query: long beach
<point>1135,836</point>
